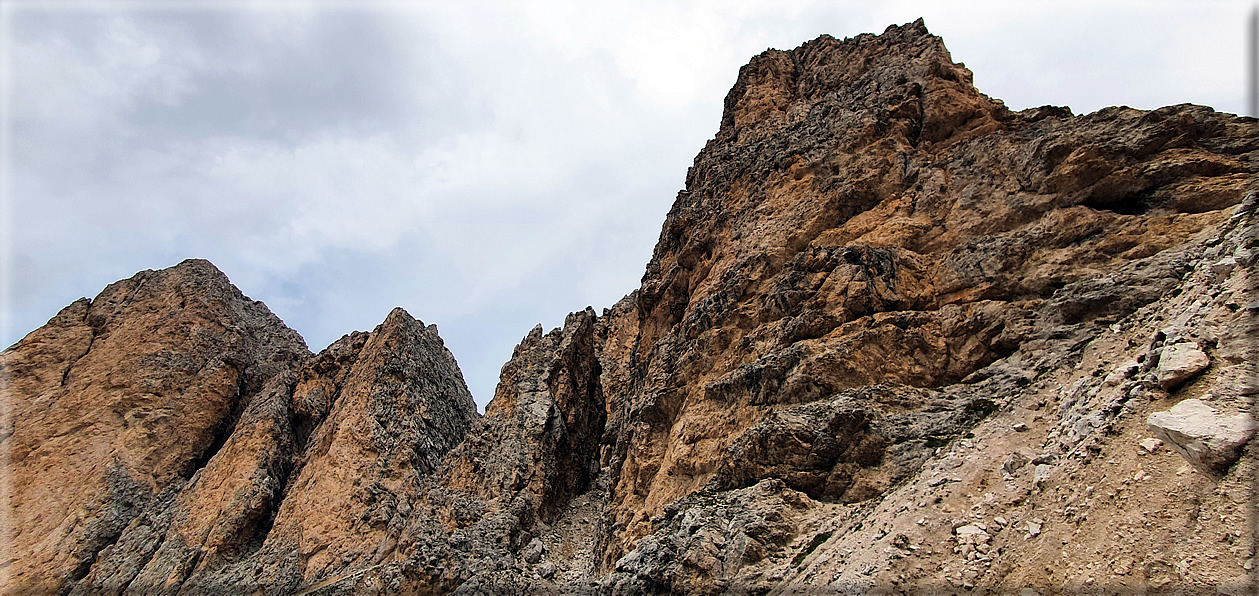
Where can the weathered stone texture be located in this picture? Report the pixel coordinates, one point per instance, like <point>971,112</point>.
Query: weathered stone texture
<point>894,336</point>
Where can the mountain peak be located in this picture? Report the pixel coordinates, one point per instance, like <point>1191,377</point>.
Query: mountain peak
<point>904,74</point>
<point>885,314</point>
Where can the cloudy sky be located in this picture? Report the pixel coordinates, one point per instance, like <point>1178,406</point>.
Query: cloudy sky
<point>486,165</point>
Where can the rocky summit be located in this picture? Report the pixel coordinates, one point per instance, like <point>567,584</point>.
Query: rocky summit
<point>894,337</point>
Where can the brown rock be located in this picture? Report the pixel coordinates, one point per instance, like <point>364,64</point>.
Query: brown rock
<point>866,216</point>
<point>540,437</point>
<point>124,398</point>
<point>868,261</point>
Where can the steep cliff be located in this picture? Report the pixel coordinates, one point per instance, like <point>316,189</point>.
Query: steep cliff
<point>893,336</point>
<point>867,229</point>
<point>116,403</point>
<point>172,435</point>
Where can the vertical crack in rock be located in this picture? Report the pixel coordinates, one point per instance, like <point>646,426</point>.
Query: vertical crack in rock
<point>541,434</point>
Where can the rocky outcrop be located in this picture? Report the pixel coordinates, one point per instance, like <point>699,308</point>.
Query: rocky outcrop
<point>894,336</point>
<point>541,434</point>
<point>125,398</point>
<point>851,447</point>
<point>212,452</point>
<point>707,540</point>
<point>535,450</point>
<point>398,409</point>
<point>865,216</point>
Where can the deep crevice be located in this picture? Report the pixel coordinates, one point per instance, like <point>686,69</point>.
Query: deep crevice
<point>225,427</point>
<point>65,375</point>
<point>1137,203</point>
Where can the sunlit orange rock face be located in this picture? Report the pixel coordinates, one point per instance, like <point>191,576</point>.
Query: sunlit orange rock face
<point>885,310</point>
<point>865,216</point>
<point>116,403</point>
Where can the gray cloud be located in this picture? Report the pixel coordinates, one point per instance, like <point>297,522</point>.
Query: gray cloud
<point>486,165</point>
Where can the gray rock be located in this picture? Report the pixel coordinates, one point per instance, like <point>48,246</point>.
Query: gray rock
<point>533,552</point>
<point>1043,472</point>
<point>546,570</point>
<point>1223,267</point>
<point>1013,463</point>
<point>1205,439</point>
<point>710,536</point>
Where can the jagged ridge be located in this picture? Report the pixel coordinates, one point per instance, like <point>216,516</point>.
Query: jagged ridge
<point>870,261</point>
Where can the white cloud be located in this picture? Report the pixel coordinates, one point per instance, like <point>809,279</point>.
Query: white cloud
<point>484,164</point>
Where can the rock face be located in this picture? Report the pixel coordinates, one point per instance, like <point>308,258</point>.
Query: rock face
<point>894,336</point>
<point>124,398</point>
<point>209,450</point>
<point>864,216</point>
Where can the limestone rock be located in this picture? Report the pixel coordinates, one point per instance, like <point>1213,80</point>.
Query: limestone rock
<point>228,457</point>
<point>1013,463</point>
<point>864,216</point>
<point>399,409</point>
<point>705,540</point>
<point>541,434</point>
<point>1150,444</point>
<point>874,275</point>
<point>1180,362</point>
<point>841,449</point>
<point>1197,432</point>
<point>537,447</point>
<point>971,534</point>
<point>1042,474</point>
<point>125,398</point>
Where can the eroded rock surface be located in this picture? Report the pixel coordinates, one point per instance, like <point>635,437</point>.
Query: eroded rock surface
<point>119,401</point>
<point>894,336</point>
<point>864,216</point>
<point>209,450</point>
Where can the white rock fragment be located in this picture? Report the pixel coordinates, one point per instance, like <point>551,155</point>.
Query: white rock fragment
<point>1150,444</point>
<point>1223,267</point>
<point>1033,529</point>
<point>1043,472</point>
<point>971,534</point>
<point>1206,440</point>
<point>1178,363</point>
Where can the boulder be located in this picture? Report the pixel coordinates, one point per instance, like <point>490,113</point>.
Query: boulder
<point>1178,363</point>
<point>1207,440</point>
